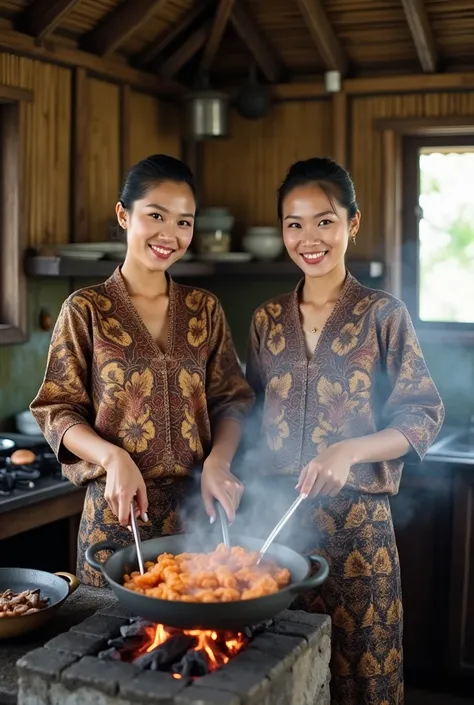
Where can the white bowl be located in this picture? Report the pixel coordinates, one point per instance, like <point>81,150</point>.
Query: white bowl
<point>26,424</point>
<point>263,243</point>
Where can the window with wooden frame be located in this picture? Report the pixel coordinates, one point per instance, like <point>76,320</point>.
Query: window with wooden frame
<point>438,231</point>
<point>13,291</point>
<point>429,222</point>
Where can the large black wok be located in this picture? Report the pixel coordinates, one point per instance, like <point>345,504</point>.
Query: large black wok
<point>188,615</point>
<point>56,586</point>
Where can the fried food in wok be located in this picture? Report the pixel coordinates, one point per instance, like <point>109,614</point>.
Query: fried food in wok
<point>225,575</point>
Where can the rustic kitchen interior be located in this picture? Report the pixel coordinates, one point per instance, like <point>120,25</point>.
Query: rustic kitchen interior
<point>88,88</point>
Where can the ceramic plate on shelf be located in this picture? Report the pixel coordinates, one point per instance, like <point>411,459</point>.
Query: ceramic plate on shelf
<point>233,257</point>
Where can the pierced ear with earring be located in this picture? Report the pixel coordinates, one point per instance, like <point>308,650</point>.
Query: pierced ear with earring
<point>353,238</point>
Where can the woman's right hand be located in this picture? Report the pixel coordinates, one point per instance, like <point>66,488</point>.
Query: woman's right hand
<point>124,484</point>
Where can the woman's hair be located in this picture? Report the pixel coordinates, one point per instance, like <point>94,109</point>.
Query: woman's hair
<point>332,178</point>
<point>152,171</point>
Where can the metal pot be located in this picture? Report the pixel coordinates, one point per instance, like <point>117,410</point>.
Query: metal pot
<point>7,446</point>
<point>207,114</point>
<point>185,615</point>
<point>56,586</point>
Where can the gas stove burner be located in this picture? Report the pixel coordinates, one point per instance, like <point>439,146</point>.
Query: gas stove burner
<point>20,478</point>
<point>25,477</point>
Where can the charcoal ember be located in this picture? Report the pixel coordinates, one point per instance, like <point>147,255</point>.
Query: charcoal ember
<point>165,655</point>
<point>251,632</point>
<point>136,628</point>
<point>126,642</point>
<point>110,655</point>
<point>192,665</point>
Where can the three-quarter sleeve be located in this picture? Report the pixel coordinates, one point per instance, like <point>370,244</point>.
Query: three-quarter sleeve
<point>413,406</point>
<point>253,370</point>
<point>228,393</point>
<point>63,399</point>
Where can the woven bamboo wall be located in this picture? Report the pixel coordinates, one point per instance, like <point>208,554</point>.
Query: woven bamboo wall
<point>154,126</point>
<point>46,142</point>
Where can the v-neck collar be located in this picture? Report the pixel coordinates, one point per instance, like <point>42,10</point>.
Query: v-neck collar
<point>348,284</point>
<point>118,280</point>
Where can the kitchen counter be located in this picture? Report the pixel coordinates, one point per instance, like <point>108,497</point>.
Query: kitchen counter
<point>439,453</point>
<point>81,604</point>
<point>49,488</point>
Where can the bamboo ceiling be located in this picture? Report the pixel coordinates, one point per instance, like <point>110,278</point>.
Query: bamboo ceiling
<point>285,39</point>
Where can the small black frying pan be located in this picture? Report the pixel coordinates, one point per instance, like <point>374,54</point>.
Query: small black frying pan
<point>56,586</point>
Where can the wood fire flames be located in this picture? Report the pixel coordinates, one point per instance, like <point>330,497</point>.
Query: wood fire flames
<point>213,649</point>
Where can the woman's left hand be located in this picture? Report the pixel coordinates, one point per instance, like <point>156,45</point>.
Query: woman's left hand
<point>217,482</point>
<point>327,473</point>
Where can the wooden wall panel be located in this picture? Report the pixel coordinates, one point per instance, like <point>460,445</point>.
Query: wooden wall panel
<point>366,150</point>
<point>154,127</point>
<point>104,157</point>
<point>46,138</point>
<point>243,172</point>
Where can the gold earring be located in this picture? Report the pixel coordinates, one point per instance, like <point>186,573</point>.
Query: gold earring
<point>353,238</point>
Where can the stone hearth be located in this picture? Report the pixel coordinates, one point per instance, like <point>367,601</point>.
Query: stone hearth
<point>288,664</point>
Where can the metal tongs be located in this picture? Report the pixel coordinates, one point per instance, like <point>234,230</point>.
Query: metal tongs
<point>280,526</point>
<point>136,536</point>
<point>224,524</point>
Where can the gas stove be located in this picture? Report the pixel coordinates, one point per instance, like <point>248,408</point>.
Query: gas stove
<point>14,477</point>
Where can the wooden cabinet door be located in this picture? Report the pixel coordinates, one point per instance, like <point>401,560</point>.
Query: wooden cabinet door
<point>422,520</point>
<point>461,650</point>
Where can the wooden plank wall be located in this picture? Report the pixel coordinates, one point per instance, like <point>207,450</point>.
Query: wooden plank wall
<point>244,171</point>
<point>366,156</point>
<point>49,172</point>
<point>47,145</point>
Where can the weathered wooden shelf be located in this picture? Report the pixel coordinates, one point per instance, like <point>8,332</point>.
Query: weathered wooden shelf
<point>57,267</point>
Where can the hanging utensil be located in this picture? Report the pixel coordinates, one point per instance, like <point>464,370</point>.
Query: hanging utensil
<point>280,526</point>
<point>253,101</point>
<point>136,536</point>
<point>224,524</point>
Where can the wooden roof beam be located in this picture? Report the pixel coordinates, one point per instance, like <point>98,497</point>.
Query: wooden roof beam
<point>111,69</point>
<point>150,52</point>
<point>42,17</point>
<point>422,35</point>
<point>186,51</point>
<point>251,35</point>
<point>120,24</point>
<point>323,35</point>
<point>221,19</point>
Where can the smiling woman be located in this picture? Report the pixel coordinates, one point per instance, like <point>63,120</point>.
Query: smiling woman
<point>346,397</point>
<point>143,384</point>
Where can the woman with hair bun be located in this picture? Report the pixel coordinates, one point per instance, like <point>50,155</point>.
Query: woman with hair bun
<point>142,383</point>
<point>346,398</point>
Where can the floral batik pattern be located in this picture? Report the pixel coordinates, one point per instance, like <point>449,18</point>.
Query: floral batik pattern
<point>161,405</point>
<point>367,373</point>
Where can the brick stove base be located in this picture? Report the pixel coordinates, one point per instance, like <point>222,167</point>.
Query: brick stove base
<point>288,664</point>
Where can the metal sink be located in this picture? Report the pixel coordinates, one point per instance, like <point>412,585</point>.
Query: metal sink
<point>456,445</point>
